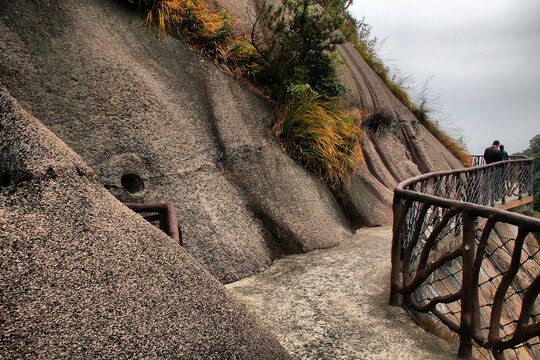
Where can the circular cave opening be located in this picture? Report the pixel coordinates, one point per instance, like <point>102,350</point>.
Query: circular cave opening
<point>133,183</point>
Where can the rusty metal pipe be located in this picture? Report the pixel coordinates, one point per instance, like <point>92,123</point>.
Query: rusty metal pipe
<point>168,221</point>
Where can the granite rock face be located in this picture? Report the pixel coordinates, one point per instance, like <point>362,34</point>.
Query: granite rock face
<point>82,276</point>
<point>157,122</point>
<point>399,148</point>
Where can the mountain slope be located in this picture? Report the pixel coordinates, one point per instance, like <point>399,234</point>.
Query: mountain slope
<point>157,122</point>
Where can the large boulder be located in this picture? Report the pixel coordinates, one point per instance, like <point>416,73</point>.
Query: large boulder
<point>82,276</point>
<point>159,123</point>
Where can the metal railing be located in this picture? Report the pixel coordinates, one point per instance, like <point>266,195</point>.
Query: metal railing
<point>478,160</point>
<point>164,213</point>
<point>467,265</point>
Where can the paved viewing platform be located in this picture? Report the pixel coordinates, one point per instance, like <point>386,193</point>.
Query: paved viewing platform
<point>333,304</point>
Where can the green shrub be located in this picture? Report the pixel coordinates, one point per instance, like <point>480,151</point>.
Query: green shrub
<point>533,151</point>
<point>294,45</point>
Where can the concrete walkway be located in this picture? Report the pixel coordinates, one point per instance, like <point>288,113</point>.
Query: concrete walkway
<point>332,304</point>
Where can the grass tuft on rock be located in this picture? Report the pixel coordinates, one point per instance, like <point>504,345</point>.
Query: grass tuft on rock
<point>192,19</point>
<point>422,111</point>
<point>320,136</point>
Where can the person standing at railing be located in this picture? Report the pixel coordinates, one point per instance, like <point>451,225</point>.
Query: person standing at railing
<point>506,186</point>
<point>504,153</point>
<point>495,180</point>
<point>493,154</point>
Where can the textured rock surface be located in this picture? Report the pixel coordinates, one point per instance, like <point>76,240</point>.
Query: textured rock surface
<point>157,122</point>
<point>81,276</point>
<point>395,151</point>
<point>129,103</point>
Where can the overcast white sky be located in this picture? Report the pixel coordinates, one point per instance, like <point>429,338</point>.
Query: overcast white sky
<point>484,57</point>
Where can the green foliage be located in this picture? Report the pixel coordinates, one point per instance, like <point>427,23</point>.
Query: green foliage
<point>294,45</point>
<point>320,136</point>
<point>143,4</point>
<point>536,181</point>
<point>534,151</point>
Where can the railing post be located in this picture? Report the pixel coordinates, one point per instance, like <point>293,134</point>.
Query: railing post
<point>397,228</point>
<point>467,296</point>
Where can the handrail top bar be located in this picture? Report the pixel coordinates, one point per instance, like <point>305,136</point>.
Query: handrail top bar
<point>482,210</point>
<point>477,209</point>
<point>425,176</point>
<point>149,206</point>
<point>511,156</point>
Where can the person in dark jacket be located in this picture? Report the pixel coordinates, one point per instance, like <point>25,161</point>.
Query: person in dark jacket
<point>493,154</point>
<point>504,153</point>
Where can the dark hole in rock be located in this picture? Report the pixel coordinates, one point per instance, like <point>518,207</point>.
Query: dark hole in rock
<point>132,183</point>
<point>377,119</point>
<point>5,179</point>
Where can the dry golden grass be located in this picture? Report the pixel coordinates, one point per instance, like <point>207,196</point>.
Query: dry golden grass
<point>207,31</point>
<point>240,59</point>
<point>321,137</point>
<point>191,18</point>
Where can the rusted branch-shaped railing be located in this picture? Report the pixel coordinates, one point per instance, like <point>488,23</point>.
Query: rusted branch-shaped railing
<point>473,267</point>
<point>166,215</point>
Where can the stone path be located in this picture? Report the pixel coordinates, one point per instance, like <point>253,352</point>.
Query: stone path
<point>332,304</point>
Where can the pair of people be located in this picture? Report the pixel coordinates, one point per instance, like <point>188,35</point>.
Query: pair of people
<point>496,185</point>
<point>495,153</point>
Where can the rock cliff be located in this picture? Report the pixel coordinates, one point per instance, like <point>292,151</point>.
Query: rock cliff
<point>82,276</point>
<point>156,122</point>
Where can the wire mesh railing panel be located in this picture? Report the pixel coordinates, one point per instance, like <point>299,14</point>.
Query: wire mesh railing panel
<point>472,267</point>
<point>490,187</point>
